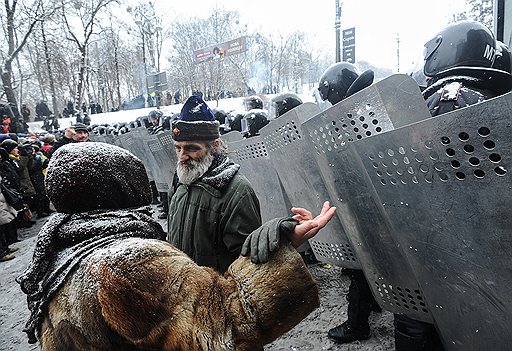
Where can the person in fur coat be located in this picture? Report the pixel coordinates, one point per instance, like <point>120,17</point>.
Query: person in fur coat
<point>101,278</point>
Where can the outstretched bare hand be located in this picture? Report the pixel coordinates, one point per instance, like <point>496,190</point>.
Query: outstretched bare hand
<point>308,226</point>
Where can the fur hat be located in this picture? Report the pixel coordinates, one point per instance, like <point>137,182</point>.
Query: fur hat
<point>196,122</point>
<point>89,176</point>
<point>80,127</point>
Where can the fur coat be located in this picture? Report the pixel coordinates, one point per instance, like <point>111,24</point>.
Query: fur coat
<point>144,294</point>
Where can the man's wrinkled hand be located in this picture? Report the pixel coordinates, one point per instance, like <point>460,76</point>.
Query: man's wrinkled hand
<point>308,226</point>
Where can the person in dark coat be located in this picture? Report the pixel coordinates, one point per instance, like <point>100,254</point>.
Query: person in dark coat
<point>209,195</point>
<point>8,214</point>
<point>338,82</point>
<point>77,133</point>
<point>25,112</point>
<point>466,76</point>
<point>10,172</point>
<point>455,79</point>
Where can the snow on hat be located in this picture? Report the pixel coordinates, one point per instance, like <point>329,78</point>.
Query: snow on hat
<point>196,122</point>
<point>80,127</point>
<point>89,176</point>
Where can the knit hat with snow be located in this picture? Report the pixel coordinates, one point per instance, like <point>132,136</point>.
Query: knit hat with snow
<point>196,122</point>
<point>89,176</point>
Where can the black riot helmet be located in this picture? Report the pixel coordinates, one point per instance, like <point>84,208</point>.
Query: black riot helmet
<point>282,103</point>
<point>336,80</point>
<point>155,114</point>
<point>463,44</point>
<point>503,60</point>
<point>252,102</point>
<point>254,120</point>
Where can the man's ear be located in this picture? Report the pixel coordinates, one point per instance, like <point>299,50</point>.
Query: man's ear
<point>216,144</point>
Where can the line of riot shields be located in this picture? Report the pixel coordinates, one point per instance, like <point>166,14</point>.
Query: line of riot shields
<point>423,204</point>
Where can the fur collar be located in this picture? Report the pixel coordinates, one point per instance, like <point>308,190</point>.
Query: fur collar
<point>220,173</point>
<point>65,240</point>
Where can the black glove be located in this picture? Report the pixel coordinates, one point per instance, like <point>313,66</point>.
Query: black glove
<point>264,240</point>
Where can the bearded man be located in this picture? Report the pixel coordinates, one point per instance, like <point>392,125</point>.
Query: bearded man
<point>213,208</point>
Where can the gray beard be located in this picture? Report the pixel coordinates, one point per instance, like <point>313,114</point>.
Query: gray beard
<point>193,170</point>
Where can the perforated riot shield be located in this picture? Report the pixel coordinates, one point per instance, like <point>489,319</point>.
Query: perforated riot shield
<point>234,135</point>
<point>294,161</point>
<point>168,154</point>
<point>132,141</point>
<point>446,185</point>
<point>157,169</point>
<point>378,109</point>
<point>165,155</point>
<point>255,165</point>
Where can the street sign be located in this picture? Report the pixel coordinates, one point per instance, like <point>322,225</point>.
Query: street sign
<point>349,45</point>
<point>157,82</point>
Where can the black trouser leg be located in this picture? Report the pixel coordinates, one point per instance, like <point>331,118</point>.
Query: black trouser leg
<point>4,248</point>
<point>154,192</point>
<point>413,335</point>
<point>360,299</point>
<point>165,203</point>
<point>11,232</point>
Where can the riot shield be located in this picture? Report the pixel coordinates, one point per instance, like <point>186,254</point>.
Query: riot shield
<point>152,146</point>
<point>255,165</point>
<point>97,138</point>
<point>445,184</point>
<point>166,159</point>
<point>116,141</point>
<point>109,138</point>
<point>333,134</point>
<point>132,141</point>
<point>294,161</point>
<point>167,155</point>
<point>234,135</point>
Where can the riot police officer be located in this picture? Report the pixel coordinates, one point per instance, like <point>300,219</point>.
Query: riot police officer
<point>468,75</point>
<point>253,121</point>
<point>338,82</point>
<point>456,79</point>
<point>282,103</point>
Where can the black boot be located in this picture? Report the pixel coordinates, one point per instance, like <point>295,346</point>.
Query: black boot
<point>346,333</point>
<point>413,335</point>
<point>360,300</point>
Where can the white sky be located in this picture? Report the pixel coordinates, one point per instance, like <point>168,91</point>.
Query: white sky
<point>377,22</point>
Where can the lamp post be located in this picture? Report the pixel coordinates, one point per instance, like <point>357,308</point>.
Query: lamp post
<point>337,26</point>
<point>398,52</point>
<point>148,27</point>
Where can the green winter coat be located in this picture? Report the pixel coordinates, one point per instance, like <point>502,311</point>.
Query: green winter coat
<point>210,225</point>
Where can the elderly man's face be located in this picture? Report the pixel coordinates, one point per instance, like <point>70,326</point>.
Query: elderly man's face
<point>190,150</point>
<point>194,159</point>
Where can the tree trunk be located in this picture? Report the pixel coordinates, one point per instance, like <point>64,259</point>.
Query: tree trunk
<point>81,76</point>
<point>118,81</point>
<point>50,73</point>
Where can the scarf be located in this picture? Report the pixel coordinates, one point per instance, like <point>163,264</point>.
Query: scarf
<point>65,240</point>
<point>220,173</point>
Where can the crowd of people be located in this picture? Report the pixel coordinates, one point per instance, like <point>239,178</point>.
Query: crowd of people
<point>213,217</point>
